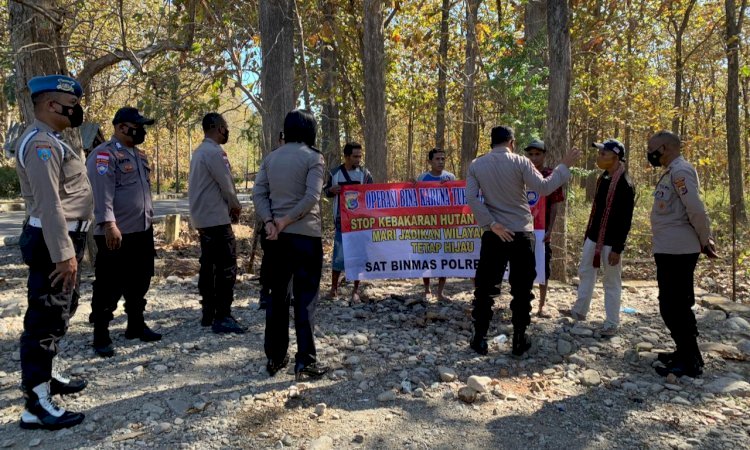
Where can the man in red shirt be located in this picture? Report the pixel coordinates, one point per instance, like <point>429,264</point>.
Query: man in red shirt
<point>536,152</point>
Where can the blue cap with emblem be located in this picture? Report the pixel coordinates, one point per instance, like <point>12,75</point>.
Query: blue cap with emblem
<point>55,83</point>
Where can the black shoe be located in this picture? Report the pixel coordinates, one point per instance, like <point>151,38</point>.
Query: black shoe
<point>59,385</point>
<point>666,358</point>
<point>263,302</point>
<point>142,332</point>
<point>479,345</point>
<point>102,342</point>
<point>680,368</point>
<point>273,367</point>
<point>42,413</point>
<point>227,325</point>
<point>312,370</point>
<point>521,344</point>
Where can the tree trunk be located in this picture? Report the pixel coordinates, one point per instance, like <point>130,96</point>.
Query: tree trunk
<point>499,7</point>
<point>329,121</point>
<point>35,41</point>
<point>277,71</point>
<point>558,112</point>
<point>534,20</point>
<point>734,149</point>
<point>410,145</point>
<point>373,66</point>
<point>442,75</point>
<point>303,57</point>
<point>470,131</point>
<point>746,109</point>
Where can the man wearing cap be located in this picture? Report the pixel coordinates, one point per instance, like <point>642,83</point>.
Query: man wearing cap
<point>59,205</point>
<point>120,177</point>
<point>681,231</point>
<point>213,208</point>
<point>606,233</point>
<point>503,178</point>
<point>536,152</point>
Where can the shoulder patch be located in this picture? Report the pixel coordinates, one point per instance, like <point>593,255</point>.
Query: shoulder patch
<point>226,160</point>
<point>102,162</point>
<point>679,183</point>
<point>44,151</point>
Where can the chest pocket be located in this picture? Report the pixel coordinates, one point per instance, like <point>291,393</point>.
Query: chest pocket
<point>664,198</point>
<point>73,174</point>
<point>126,172</point>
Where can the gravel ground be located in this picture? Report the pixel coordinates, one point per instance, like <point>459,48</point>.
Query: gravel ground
<point>403,375</point>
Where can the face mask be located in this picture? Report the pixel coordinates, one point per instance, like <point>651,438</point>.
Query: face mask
<point>225,135</point>
<point>73,113</point>
<point>138,134</point>
<point>654,158</point>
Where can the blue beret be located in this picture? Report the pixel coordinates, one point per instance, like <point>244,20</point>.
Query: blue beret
<point>55,83</point>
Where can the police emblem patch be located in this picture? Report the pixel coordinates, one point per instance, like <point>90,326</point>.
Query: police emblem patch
<point>44,153</point>
<point>226,161</point>
<point>102,163</point>
<point>680,185</point>
<point>65,86</point>
<point>532,197</point>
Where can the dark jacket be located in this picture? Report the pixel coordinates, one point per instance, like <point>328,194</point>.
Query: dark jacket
<point>621,215</point>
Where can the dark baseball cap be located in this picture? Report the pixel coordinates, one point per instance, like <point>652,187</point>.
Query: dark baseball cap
<point>536,144</point>
<point>612,145</point>
<point>130,114</point>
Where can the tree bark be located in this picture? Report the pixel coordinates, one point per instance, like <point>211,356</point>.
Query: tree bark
<point>746,109</point>
<point>35,40</point>
<point>373,65</point>
<point>410,145</point>
<point>303,57</point>
<point>534,20</point>
<point>329,121</point>
<point>558,112</point>
<point>470,131</point>
<point>679,65</point>
<point>277,71</point>
<point>734,149</point>
<point>442,75</point>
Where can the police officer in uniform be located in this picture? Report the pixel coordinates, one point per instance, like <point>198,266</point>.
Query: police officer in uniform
<point>120,177</point>
<point>59,204</point>
<point>213,208</point>
<point>681,232</point>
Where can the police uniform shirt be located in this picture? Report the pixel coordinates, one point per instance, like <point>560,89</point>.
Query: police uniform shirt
<point>54,185</point>
<point>120,178</point>
<point>679,222</point>
<point>211,190</point>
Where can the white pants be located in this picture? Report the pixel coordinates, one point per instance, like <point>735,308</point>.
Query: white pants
<point>612,282</point>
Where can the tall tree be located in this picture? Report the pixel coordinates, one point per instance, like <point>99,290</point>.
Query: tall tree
<point>445,12</point>
<point>329,120</point>
<point>470,129</point>
<point>558,110</point>
<point>373,66</point>
<point>277,72</point>
<point>734,149</point>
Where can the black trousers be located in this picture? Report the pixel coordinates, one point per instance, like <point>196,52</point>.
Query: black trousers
<point>265,280</point>
<point>494,256</point>
<point>124,272</point>
<point>50,309</point>
<point>674,275</point>
<point>298,259</point>
<point>218,272</point>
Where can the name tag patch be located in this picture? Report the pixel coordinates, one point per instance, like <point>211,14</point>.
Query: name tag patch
<point>102,163</point>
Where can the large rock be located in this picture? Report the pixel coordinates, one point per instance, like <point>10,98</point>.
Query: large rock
<point>387,396</point>
<point>744,347</point>
<point>322,443</point>
<point>590,377</point>
<point>447,374</point>
<point>729,386</point>
<point>467,394</point>
<point>478,383</point>
<point>723,350</point>
<point>737,324</point>
<point>713,301</point>
<point>581,331</point>
<point>564,347</point>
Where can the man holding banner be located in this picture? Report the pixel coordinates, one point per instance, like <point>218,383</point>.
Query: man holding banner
<point>503,211</point>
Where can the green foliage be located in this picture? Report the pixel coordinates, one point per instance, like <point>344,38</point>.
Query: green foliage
<point>9,184</point>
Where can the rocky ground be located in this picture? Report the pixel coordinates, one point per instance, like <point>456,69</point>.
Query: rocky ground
<point>403,378</point>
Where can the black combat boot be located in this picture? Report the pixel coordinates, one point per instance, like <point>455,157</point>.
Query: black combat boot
<point>102,342</point>
<point>312,370</point>
<point>42,413</point>
<point>137,329</point>
<point>274,366</point>
<point>521,343</point>
<point>478,340</point>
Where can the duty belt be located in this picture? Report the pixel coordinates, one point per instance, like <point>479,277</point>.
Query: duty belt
<point>76,226</point>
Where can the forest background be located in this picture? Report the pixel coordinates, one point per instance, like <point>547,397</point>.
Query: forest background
<point>404,76</point>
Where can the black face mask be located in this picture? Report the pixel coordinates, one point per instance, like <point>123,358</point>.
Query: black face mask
<point>138,134</point>
<point>654,158</point>
<point>73,113</point>
<point>225,135</point>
